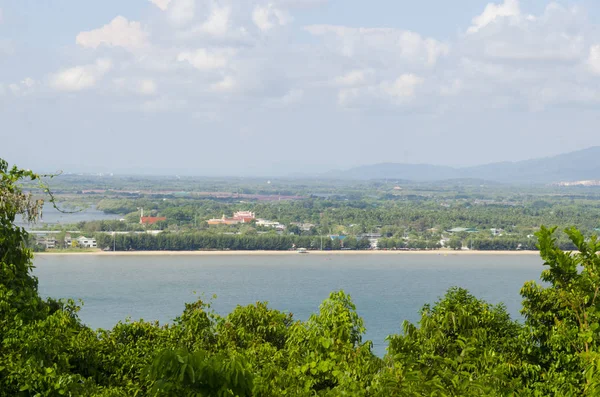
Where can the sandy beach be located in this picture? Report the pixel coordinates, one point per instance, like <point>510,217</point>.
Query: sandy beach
<point>280,253</point>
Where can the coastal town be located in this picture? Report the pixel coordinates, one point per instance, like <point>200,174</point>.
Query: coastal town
<point>77,240</point>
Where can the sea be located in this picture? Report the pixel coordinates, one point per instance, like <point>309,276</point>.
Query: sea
<point>386,289</point>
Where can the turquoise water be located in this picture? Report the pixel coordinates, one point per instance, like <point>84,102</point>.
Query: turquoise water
<point>386,289</point>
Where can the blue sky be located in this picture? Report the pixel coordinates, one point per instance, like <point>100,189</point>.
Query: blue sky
<point>270,87</point>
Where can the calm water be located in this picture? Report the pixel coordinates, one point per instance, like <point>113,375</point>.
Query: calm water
<point>51,216</point>
<point>386,289</point>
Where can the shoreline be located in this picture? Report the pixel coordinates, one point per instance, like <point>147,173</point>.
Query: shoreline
<point>282,253</point>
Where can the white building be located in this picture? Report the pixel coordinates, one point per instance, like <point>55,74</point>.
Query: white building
<point>268,223</point>
<point>85,242</point>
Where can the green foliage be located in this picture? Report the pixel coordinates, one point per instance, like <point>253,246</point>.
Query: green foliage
<point>36,350</point>
<point>455,243</point>
<point>199,374</point>
<point>463,346</point>
<point>562,319</point>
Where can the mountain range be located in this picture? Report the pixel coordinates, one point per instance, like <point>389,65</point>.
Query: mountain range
<point>574,166</point>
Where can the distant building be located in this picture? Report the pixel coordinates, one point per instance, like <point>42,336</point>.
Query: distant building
<point>47,242</point>
<point>151,220</point>
<point>238,217</point>
<point>224,221</point>
<point>268,223</point>
<point>372,237</point>
<point>85,242</point>
<point>463,230</point>
<point>244,216</point>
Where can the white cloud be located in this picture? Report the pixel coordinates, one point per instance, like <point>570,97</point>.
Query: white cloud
<point>552,47</point>
<point>80,77</point>
<point>557,35</point>
<point>399,92</point>
<point>147,87</point>
<point>118,33</point>
<point>382,44</point>
<point>24,87</point>
<point>219,46</point>
<point>162,4</point>
<point>28,82</point>
<point>227,84</point>
<point>593,60</point>
<point>217,23</point>
<point>267,17</point>
<point>403,87</point>
<point>182,12</point>
<point>510,8</point>
<point>203,59</point>
<point>353,78</point>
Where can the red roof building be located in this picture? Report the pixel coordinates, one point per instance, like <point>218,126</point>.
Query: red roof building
<point>238,217</point>
<point>151,220</point>
<point>244,216</point>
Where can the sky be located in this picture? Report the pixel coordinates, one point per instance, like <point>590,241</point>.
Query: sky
<point>278,87</point>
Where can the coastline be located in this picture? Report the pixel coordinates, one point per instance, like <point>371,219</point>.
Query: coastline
<point>282,253</point>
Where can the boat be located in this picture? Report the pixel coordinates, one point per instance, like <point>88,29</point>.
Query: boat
<point>302,251</point>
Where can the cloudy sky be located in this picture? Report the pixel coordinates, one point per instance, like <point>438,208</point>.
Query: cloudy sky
<point>269,87</point>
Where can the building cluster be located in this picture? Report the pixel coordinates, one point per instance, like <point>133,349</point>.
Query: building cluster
<point>271,224</point>
<point>48,240</point>
<point>241,217</point>
<point>238,217</point>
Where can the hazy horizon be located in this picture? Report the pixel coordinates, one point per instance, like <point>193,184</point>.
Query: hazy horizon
<point>284,87</point>
<point>162,172</point>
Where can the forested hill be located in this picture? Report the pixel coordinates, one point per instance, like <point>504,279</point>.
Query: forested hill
<point>574,166</point>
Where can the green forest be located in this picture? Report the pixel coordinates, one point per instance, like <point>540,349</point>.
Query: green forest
<point>462,346</point>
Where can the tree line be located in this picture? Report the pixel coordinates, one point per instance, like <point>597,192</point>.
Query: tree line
<point>193,241</point>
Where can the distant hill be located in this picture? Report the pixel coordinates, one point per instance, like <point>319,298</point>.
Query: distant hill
<point>574,166</point>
